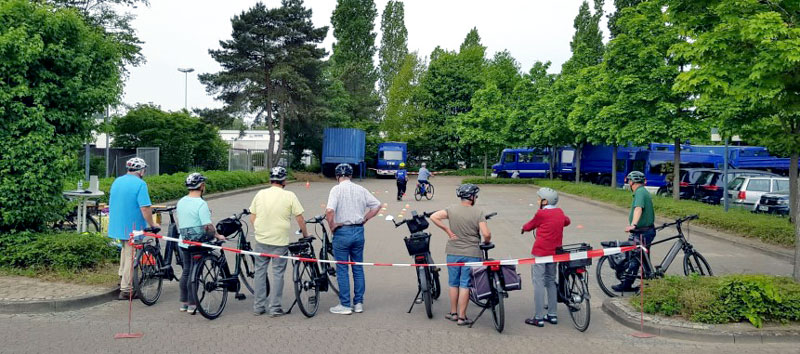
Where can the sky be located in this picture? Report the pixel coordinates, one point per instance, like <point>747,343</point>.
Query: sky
<point>179,33</point>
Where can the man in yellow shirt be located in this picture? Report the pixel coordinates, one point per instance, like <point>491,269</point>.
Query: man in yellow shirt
<point>270,213</point>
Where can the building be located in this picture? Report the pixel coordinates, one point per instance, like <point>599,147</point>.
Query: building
<point>248,139</point>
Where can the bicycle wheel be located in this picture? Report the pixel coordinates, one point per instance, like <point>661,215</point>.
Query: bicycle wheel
<point>247,272</point>
<point>208,288</point>
<point>429,192</point>
<point>423,277</point>
<point>147,278</point>
<point>306,290</point>
<point>608,277</point>
<point>498,309</point>
<point>577,301</point>
<point>92,225</point>
<point>694,262</point>
<point>436,286</point>
<point>418,193</point>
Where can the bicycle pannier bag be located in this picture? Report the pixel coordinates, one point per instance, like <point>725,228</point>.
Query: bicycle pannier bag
<point>511,278</point>
<point>196,234</point>
<point>480,288</point>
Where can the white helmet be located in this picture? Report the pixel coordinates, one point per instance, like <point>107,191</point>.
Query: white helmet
<point>136,164</point>
<point>424,164</point>
<point>548,194</point>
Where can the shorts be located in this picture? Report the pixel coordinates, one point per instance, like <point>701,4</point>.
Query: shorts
<point>459,277</point>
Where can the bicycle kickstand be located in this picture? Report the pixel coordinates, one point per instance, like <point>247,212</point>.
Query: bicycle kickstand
<point>291,307</point>
<point>414,302</point>
<point>477,317</point>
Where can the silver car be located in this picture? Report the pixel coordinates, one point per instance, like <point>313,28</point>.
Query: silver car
<point>747,191</point>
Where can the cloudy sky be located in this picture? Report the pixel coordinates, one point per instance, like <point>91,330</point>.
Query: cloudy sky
<point>179,33</point>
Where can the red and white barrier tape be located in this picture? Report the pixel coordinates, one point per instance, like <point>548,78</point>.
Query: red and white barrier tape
<point>566,257</point>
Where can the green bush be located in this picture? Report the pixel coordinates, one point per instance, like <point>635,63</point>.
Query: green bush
<point>729,299</point>
<point>466,172</point>
<point>58,251</point>
<point>499,181</point>
<point>768,228</point>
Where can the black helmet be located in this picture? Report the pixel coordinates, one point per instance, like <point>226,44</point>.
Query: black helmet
<point>194,181</point>
<point>344,169</point>
<point>467,191</point>
<point>277,174</point>
<point>635,177</point>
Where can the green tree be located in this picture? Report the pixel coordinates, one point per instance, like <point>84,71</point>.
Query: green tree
<point>745,71</point>
<point>619,5</point>
<point>528,95</point>
<point>271,67</point>
<point>57,72</point>
<point>218,117</point>
<point>184,142</point>
<point>402,111</point>
<point>394,45</point>
<point>352,59</point>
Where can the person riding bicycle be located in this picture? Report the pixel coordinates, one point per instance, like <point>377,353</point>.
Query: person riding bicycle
<point>349,207</point>
<point>422,178</point>
<point>640,224</point>
<point>402,180</point>
<point>271,213</point>
<point>194,216</point>
<point>129,210</point>
<point>467,224</point>
<point>549,223</point>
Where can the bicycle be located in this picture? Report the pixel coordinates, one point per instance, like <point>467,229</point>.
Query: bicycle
<point>70,221</point>
<point>418,246</point>
<point>614,267</point>
<point>150,267</point>
<point>422,191</point>
<point>573,286</point>
<point>497,290</point>
<point>312,277</point>
<point>211,278</point>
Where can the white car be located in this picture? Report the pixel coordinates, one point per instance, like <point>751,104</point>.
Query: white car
<point>747,191</point>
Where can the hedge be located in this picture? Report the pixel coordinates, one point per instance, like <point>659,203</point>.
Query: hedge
<point>58,251</point>
<point>728,299</point>
<point>768,228</point>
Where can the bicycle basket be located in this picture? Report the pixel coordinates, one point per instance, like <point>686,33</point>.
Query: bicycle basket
<point>299,247</point>
<point>575,248</point>
<point>418,243</point>
<point>228,226</point>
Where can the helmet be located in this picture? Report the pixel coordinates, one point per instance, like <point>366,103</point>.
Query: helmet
<point>467,191</point>
<point>424,164</point>
<point>548,194</point>
<point>277,174</point>
<point>635,177</point>
<point>344,169</point>
<point>402,165</point>
<point>135,164</point>
<point>195,180</point>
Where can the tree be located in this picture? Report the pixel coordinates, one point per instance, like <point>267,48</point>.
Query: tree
<point>527,103</point>
<point>402,111</point>
<point>218,117</point>
<point>394,45</point>
<point>57,72</point>
<point>351,62</point>
<point>184,142</point>
<point>613,17</point>
<point>271,67</point>
<point>745,70</point>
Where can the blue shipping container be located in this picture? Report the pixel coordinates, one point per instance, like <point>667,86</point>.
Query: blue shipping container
<point>343,145</point>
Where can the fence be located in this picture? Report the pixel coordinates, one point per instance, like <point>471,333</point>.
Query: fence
<point>149,154</point>
<point>252,160</point>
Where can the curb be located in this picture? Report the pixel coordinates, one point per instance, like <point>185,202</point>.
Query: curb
<point>770,250</point>
<point>731,333</point>
<point>58,305</point>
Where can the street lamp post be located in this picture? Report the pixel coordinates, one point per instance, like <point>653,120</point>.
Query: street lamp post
<point>186,71</point>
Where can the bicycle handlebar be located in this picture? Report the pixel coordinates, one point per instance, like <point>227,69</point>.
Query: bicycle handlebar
<point>491,215</point>
<point>425,214</point>
<point>316,220</point>
<point>678,222</point>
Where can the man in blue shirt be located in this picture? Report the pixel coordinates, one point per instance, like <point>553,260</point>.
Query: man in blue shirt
<point>129,210</point>
<point>422,179</point>
<point>402,180</point>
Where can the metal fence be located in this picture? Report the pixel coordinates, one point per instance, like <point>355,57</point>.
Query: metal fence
<point>252,160</point>
<point>149,154</point>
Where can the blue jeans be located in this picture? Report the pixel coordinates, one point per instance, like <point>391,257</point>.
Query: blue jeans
<point>459,277</point>
<point>348,245</point>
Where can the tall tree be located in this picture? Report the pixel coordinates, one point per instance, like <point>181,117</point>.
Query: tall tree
<point>745,70</point>
<point>271,66</point>
<point>527,103</point>
<point>394,45</point>
<point>352,59</point>
<point>402,111</point>
<point>619,5</point>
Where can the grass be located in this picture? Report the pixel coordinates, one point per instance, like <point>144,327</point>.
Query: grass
<point>768,228</point>
<point>465,172</point>
<point>104,275</point>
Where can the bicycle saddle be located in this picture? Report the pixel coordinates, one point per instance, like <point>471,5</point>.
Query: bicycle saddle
<point>607,244</point>
<point>487,246</point>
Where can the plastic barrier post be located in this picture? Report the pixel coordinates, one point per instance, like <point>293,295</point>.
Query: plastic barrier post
<point>130,303</point>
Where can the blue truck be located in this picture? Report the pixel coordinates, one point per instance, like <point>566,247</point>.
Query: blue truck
<point>525,162</point>
<point>390,155</point>
<point>343,145</point>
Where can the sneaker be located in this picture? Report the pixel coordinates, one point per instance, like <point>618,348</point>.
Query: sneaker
<point>277,313</point>
<point>259,312</point>
<point>358,308</point>
<point>622,287</point>
<point>191,309</point>
<point>124,295</point>
<point>535,322</point>
<point>551,318</point>
<point>341,310</point>
<point>184,307</point>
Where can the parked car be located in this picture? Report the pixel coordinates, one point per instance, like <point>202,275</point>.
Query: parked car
<point>688,183</point>
<point>709,186</point>
<point>746,191</point>
<point>773,203</point>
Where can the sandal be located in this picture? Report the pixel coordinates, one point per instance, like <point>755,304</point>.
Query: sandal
<point>464,321</point>
<point>452,316</point>
<point>535,322</point>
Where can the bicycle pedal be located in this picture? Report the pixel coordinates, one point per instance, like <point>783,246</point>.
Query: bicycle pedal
<point>240,296</point>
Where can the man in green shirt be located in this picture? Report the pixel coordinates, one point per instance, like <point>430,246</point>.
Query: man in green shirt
<point>640,224</point>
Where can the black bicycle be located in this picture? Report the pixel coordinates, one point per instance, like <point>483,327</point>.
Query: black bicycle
<point>493,299</point>
<point>613,269</point>
<point>423,190</point>
<point>312,277</point>
<point>150,268</point>
<point>418,245</point>
<point>70,221</point>
<point>211,278</point>
<point>573,285</point>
